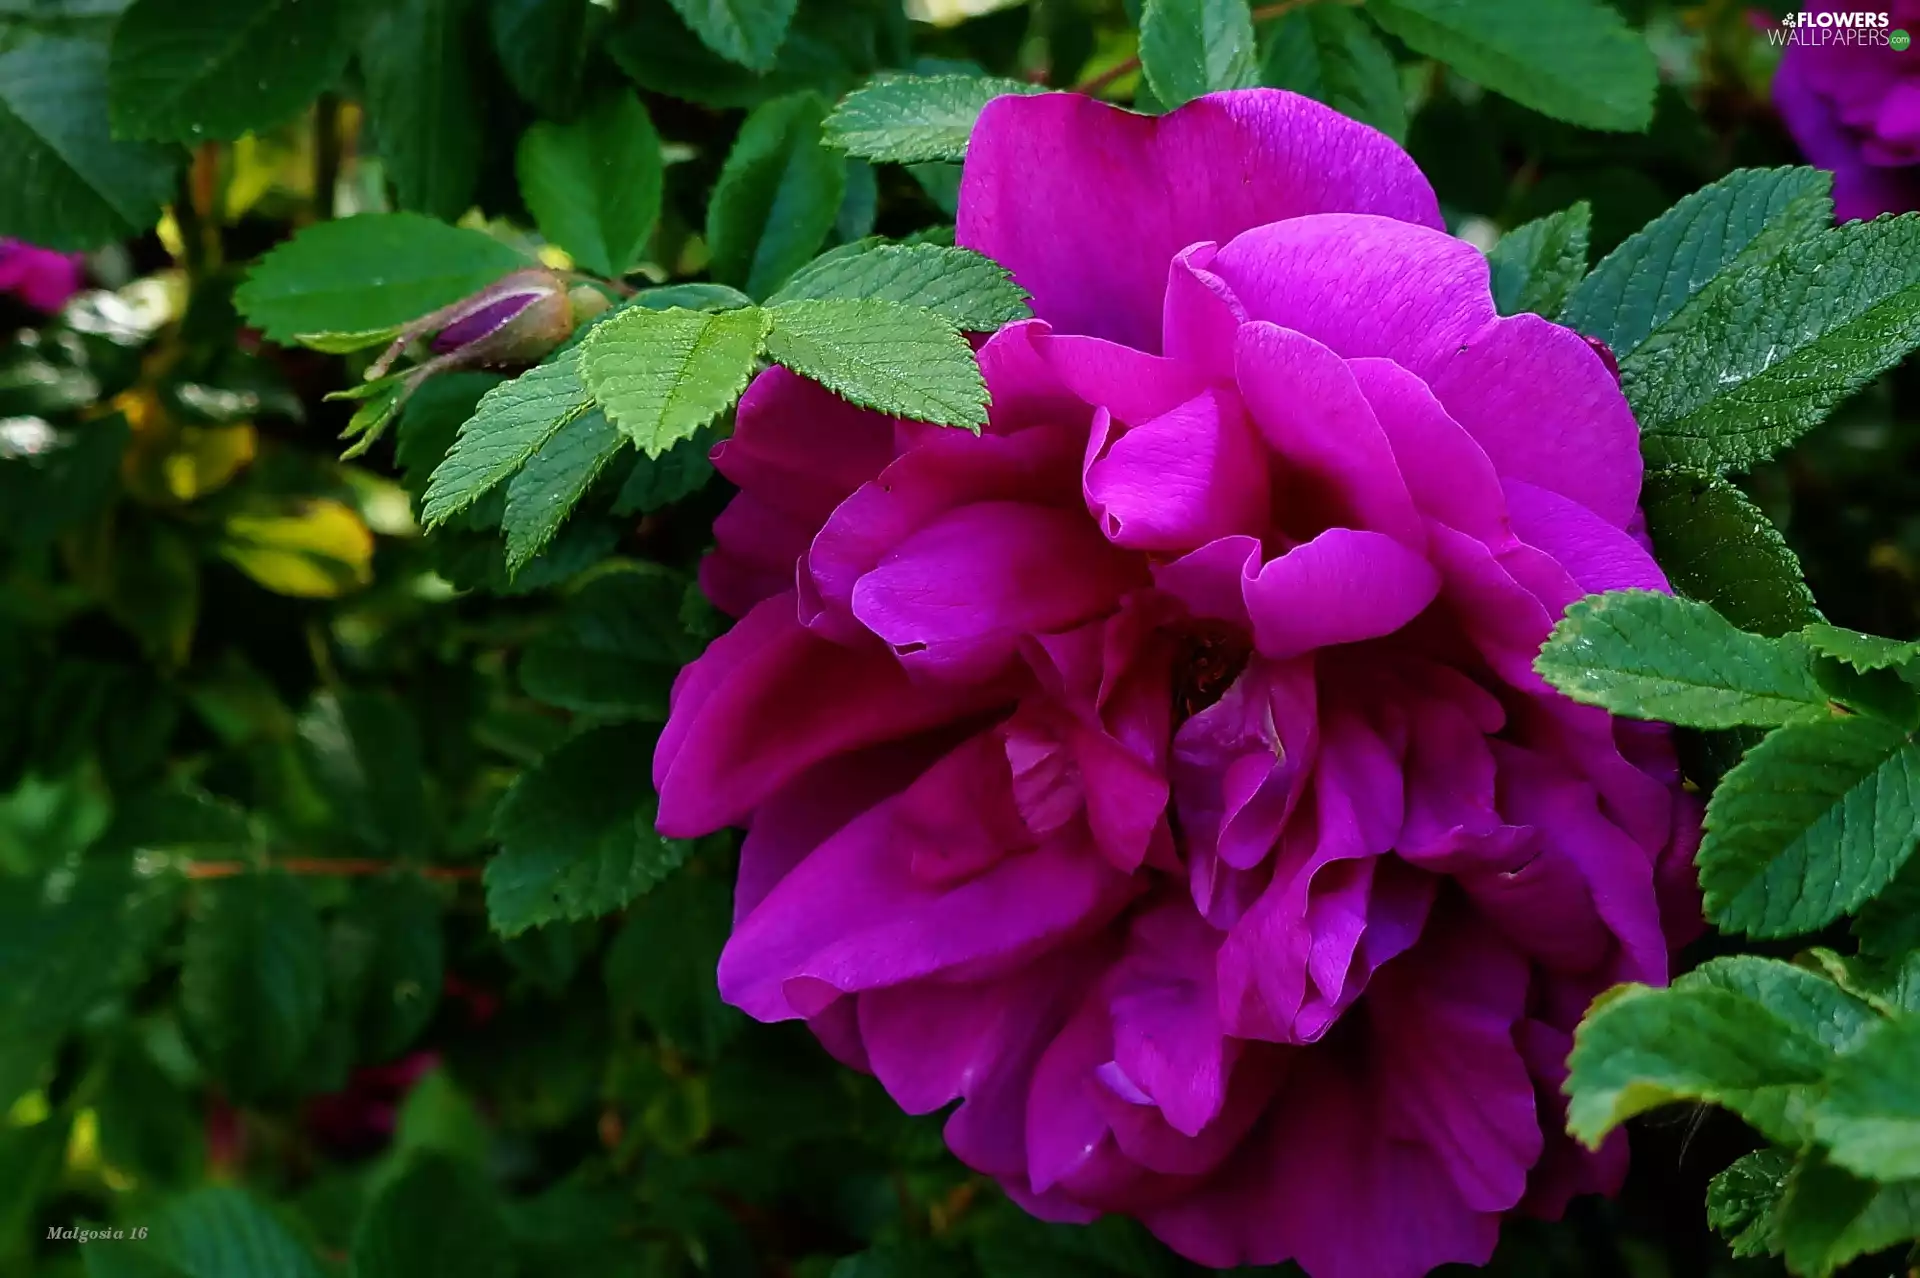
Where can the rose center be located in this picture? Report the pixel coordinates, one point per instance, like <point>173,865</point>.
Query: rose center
<point>1211,658</point>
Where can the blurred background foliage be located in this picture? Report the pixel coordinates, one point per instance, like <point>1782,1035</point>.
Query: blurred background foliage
<point>256,728</point>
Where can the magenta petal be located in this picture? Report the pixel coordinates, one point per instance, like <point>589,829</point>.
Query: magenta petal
<point>1363,286</point>
<point>1546,410</point>
<point>801,447</point>
<point>1128,383</point>
<point>1200,314</point>
<point>1312,412</point>
<point>1167,1037</point>
<point>1447,473</point>
<point>853,917</point>
<point>1180,480</point>
<point>955,598</point>
<point>1341,587</point>
<point>1451,1076</point>
<point>1596,554</point>
<point>1087,203</point>
<point>767,701</point>
<point>1211,582</point>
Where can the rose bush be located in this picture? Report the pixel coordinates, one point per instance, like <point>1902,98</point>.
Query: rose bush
<point>1853,106</point>
<point>1162,773</point>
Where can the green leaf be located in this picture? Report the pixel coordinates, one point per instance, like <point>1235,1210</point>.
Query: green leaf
<point>908,119</point>
<point>512,422</point>
<point>1652,656</point>
<point>661,965</point>
<point>1743,1199</point>
<point>971,291</point>
<point>60,958</point>
<point>1813,822</point>
<point>620,645</point>
<point>542,46</point>
<point>593,185</point>
<point>1662,273</point>
<point>1820,1204</point>
<point>697,296</point>
<point>748,32</point>
<point>1192,47</point>
<point>1865,653</point>
<point>436,1219</point>
<point>393,932</point>
<point>777,197</point>
<point>377,270</point>
<point>896,359</point>
<point>1870,1117</point>
<point>432,420</point>
<point>1802,998</point>
<point>73,186</point>
<point>1536,266</point>
<point>347,343</point>
<point>576,833</point>
<point>1575,60</point>
<point>1764,358</point>
<point>1889,924</point>
<point>656,482</point>
<point>422,104</point>
<point>1641,1048</point>
<point>553,481</point>
<point>196,70</point>
<point>1717,547</point>
<point>253,980</point>
<point>216,1232</point>
<point>365,754</point>
<point>1331,55</point>
<point>662,375</point>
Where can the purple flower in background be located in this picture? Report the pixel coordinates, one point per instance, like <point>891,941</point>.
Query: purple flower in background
<point>1852,103</point>
<point>41,278</point>
<point>1162,774</point>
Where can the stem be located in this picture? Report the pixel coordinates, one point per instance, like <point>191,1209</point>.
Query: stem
<point>326,867</point>
<point>1265,13</point>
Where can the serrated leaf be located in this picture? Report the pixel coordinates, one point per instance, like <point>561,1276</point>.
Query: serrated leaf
<point>253,981</point>
<point>778,195</point>
<point>661,965</point>
<point>697,296</point>
<point>422,104</point>
<point>1820,1204</point>
<point>576,833</point>
<point>747,32</point>
<point>1640,1048</point>
<point>593,184</point>
<point>1889,925</point>
<point>656,482</point>
<point>73,186</point>
<point>618,648</point>
<point>662,375</point>
<point>1813,822</point>
<point>1652,656</point>
<point>377,270</point>
<point>969,290</point>
<point>553,481</point>
<point>198,70</point>
<point>1870,1116</point>
<point>1865,653</point>
<point>1764,359</point>
<point>1717,547</point>
<point>1658,274</point>
<point>909,119</point>
<point>1331,55</point>
<point>510,424</point>
<point>1742,1201</point>
<point>1192,47</point>
<point>437,1219</point>
<point>895,359</point>
<point>1536,266</point>
<point>1575,60</point>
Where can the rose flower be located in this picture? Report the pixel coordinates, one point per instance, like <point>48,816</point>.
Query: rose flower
<point>1852,103</point>
<point>1162,774</point>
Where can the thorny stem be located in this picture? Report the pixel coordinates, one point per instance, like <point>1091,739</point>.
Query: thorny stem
<point>326,867</point>
<point>1265,13</point>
